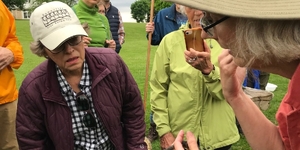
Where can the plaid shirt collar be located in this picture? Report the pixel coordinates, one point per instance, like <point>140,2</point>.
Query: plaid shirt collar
<point>84,81</point>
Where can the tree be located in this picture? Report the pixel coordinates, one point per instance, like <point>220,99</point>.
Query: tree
<point>159,5</point>
<point>13,4</point>
<point>139,10</point>
<point>68,2</point>
<point>37,3</point>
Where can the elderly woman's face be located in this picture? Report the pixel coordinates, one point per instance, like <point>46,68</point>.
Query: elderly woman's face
<point>101,9</point>
<point>91,3</point>
<point>69,56</point>
<point>224,33</point>
<point>193,16</point>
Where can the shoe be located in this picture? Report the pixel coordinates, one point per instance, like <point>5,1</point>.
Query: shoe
<point>152,134</point>
<point>147,141</point>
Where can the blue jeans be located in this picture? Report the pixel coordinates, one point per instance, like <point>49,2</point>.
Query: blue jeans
<point>151,117</point>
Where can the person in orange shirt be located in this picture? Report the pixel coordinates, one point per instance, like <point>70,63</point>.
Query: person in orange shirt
<point>11,56</point>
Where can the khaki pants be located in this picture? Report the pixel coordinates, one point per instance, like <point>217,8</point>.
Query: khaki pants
<point>8,139</point>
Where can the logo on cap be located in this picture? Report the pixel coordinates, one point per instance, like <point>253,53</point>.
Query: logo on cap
<point>55,16</point>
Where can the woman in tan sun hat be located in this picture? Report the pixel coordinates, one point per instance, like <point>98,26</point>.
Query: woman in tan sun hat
<point>262,35</point>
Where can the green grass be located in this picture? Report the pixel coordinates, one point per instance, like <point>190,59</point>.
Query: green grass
<point>134,54</point>
<point>30,60</point>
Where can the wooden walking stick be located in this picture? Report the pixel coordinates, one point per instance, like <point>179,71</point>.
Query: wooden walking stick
<point>148,57</point>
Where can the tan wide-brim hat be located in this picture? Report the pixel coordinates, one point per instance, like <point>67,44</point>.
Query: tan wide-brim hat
<point>262,9</point>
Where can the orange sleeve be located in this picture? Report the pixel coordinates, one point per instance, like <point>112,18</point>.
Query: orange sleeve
<point>12,43</point>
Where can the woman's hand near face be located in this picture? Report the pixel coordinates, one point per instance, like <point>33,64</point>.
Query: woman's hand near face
<point>111,44</point>
<point>86,41</point>
<point>232,76</point>
<point>191,140</point>
<point>200,60</point>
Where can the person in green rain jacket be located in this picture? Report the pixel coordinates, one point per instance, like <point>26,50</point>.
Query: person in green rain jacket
<point>95,24</point>
<point>184,98</point>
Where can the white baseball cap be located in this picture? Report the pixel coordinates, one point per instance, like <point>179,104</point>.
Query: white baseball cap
<point>53,23</point>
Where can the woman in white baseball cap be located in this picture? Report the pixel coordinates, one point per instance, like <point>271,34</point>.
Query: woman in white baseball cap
<point>79,98</point>
<point>263,35</point>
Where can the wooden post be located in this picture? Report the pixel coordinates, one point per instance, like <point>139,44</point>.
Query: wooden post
<point>148,57</point>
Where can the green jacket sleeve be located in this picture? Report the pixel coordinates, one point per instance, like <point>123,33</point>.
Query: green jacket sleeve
<point>213,84</point>
<point>213,81</point>
<point>159,82</point>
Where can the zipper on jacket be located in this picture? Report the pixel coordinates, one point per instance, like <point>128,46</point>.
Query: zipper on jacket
<point>201,126</point>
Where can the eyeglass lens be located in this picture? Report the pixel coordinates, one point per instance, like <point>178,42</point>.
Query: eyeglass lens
<point>82,104</point>
<point>205,21</point>
<point>73,41</point>
<point>208,24</point>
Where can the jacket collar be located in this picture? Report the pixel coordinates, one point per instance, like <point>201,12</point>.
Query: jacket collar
<point>171,13</point>
<point>97,70</point>
<point>294,89</point>
<point>52,91</point>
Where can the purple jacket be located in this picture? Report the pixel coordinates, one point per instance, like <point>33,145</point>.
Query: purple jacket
<point>44,118</point>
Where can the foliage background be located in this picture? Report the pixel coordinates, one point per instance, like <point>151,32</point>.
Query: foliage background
<point>14,3</point>
<point>140,9</point>
<point>19,4</point>
<point>39,2</point>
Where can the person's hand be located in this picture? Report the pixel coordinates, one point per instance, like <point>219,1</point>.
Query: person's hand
<point>191,140</point>
<point>166,140</point>
<point>231,75</point>
<point>6,57</point>
<point>150,27</point>
<point>200,60</point>
<point>111,44</point>
<point>86,41</point>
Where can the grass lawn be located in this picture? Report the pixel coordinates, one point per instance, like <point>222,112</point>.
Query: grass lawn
<point>134,53</point>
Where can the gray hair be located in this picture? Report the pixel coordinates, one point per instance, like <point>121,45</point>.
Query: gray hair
<point>38,48</point>
<point>182,10</point>
<point>267,39</point>
<point>101,3</point>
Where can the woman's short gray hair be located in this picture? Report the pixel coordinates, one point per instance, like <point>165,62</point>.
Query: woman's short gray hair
<point>38,48</point>
<point>267,39</point>
<point>182,10</point>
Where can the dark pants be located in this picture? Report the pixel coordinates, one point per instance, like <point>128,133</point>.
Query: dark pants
<point>221,148</point>
<point>224,148</point>
<point>262,78</point>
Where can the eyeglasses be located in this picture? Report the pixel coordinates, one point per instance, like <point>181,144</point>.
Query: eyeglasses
<point>73,41</point>
<point>82,104</point>
<point>207,24</point>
